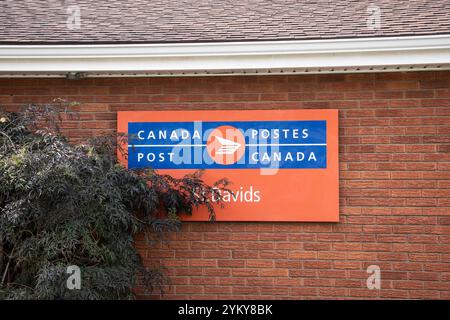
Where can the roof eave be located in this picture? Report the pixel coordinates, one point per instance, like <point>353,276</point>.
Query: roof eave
<point>224,58</point>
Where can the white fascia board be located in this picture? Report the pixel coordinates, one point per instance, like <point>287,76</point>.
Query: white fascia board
<point>202,58</point>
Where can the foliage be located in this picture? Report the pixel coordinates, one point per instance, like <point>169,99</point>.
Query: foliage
<point>64,205</point>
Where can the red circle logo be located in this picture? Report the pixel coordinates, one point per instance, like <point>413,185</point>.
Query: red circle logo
<point>226,145</point>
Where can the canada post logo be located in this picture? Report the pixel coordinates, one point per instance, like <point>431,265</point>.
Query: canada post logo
<point>228,145</point>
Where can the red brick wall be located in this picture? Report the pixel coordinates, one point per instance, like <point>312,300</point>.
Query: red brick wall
<point>395,184</point>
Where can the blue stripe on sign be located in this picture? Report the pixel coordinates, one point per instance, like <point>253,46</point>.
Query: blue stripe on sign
<point>269,144</point>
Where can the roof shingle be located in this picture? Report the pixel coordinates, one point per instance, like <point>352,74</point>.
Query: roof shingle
<point>159,21</point>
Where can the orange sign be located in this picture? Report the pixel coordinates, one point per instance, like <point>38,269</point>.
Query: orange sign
<point>283,164</point>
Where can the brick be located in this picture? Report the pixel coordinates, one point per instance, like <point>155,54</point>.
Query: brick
<point>293,273</point>
<point>214,272</point>
<point>433,84</point>
<point>274,272</point>
<point>244,254</point>
<point>293,282</point>
<point>274,291</point>
<point>229,281</point>
<point>317,264</point>
<point>189,254</point>
<point>347,265</point>
<point>201,281</point>
<point>423,294</point>
<point>217,290</point>
<point>419,94</point>
<point>203,263</point>
<point>330,255</point>
<point>288,264</point>
<point>269,254</point>
<point>189,289</point>
<point>94,107</point>
<point>394,184</point>
<point>333,292</point>
<point>231,263</point>
<point>317,246</point>
<point>259,263</point>
<point>302,292</point>
<point>261,281</point>
<point>300,254</point>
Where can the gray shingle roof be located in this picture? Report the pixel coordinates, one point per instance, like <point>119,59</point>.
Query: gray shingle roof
<point>156,21</point>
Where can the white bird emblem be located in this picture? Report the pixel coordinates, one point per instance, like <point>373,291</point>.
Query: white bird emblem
<point>228,146</point>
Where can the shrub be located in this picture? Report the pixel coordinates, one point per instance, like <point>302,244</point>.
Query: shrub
<point>63,205</point>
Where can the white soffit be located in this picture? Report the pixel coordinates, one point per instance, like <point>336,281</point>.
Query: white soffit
<point>223,58</point>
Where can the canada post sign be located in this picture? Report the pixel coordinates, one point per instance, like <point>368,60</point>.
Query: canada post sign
<point>283,164</point>
<point>227,145</point>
